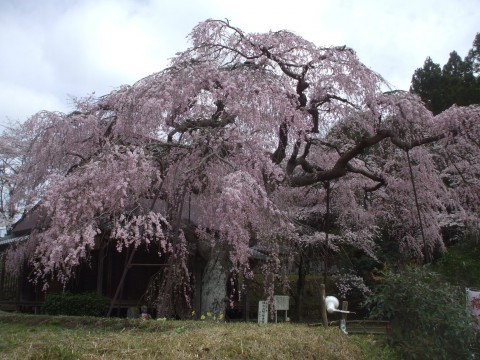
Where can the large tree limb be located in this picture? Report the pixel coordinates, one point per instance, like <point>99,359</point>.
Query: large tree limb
<point>280,153</point>
<point>342,165</point>
<point>217,120</point>
<point>377,178</point>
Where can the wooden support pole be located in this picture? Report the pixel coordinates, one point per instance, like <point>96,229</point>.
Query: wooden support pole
<point>343,321</point>
<point>419,212</point>
<point>100,266</point>
<point>246,301</point>
<point>344,308</point>
<point>323,308</point>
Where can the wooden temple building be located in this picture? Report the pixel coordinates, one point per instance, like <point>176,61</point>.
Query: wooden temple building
<point>124,276</point>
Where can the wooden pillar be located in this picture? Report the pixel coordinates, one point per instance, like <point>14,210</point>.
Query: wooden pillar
<point>343,321</point>
<point>100,266</point>
<point>344,308</point>
<point>20,283</point>
<point>322,306</point>
<point>197,274</point>
<point>2,276</point>
<point>246,301</point>
<point>109,285</point>
<point>302,274</point>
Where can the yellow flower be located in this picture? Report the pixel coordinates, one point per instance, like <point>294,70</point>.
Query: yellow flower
<point>209,314</point>
<point>203,317</point>
<point>221,316</point>
<point>214,318</point>
<point>193,312</point>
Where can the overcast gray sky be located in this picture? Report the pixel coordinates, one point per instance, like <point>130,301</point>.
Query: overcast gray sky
<point>54,49</point>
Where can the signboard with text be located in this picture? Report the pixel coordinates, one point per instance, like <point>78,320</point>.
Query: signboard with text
<point>262,312</point>
<point>473,303</point>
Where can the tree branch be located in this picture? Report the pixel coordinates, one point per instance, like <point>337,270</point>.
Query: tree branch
<point>380,180</point>
<point>280,153</point>
<point>342,164</point>
<point>213,122</point>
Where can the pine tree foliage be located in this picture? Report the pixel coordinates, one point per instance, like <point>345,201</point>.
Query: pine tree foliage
<point>458,82</point>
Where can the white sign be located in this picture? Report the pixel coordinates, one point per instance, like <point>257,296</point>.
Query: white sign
<point>473,303</point>
<point>282,302</point>
<point>262,312</point>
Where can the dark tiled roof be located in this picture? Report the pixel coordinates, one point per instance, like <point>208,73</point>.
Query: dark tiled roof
<point>10,239</point>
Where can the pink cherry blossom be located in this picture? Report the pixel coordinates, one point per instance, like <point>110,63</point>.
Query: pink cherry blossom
<point>238,137</point>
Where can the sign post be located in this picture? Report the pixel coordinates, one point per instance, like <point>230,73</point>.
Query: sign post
<point>262,312</point>
<point>473,304</point>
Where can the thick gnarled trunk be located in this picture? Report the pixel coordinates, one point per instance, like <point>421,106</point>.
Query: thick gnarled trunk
<point>214,289</point>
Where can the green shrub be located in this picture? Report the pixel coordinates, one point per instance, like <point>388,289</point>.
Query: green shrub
<point>428,315</point>
<point>88,304</point>
<point>460,263</point>
<point>373,347</point>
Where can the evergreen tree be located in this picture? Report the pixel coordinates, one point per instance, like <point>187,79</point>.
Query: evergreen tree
<point>454,84</point>
<point>473,57</point>
<point>427,83</point>
<point>458,82</point>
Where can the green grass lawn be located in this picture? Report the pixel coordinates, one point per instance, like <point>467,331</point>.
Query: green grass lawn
<point>61,337</point>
